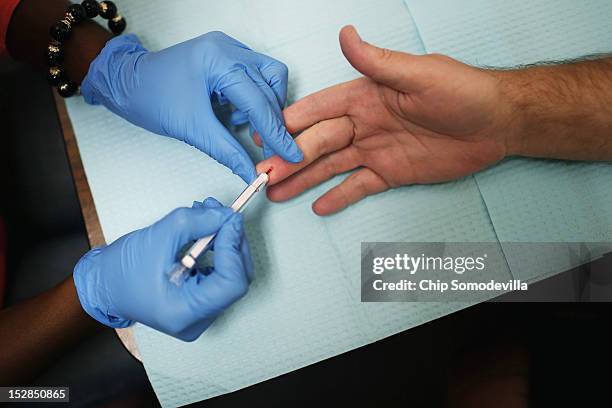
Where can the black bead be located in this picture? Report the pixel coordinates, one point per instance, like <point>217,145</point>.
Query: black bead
<point>66,89</point>
<point>107,9</point>
<point>55,75</point>
<point>117,24</point>
<point>91,8</point>
<point>54,55</point>
<point>60,31</point>
<point>77,12</point>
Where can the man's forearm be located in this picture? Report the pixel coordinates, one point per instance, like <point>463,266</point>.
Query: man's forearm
<point>562,111</point>
<point>28,37</point>
<point>37,331</point>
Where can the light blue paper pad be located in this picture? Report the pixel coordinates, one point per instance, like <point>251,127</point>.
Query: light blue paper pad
<point>304,305</point>
<point>531,200</point>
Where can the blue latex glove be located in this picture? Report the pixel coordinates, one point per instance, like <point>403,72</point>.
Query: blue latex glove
<point>169,93</point>
<point>127,280</point>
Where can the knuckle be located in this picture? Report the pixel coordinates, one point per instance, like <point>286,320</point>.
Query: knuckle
<point>174,327</point>
<point>215,35</point>
<point>220,213</point>
<point>440,57</point>
<point>329,166</point>
<point>303,183</point>
<point>283,70</point>
<point>344,195</point>
<point>385,54</point>
<point>361,84</point>
<point>180,217</point>
<point>210,42</point>
<point>212,202</point>
<point>322,144</point>
<point>239,290</point>
<point>361,187</point>
<point>357,89</point>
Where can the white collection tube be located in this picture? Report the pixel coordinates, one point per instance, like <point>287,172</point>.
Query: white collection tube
<point>188,261</point>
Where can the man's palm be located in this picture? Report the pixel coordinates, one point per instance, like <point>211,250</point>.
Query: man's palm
<point>412,119</point>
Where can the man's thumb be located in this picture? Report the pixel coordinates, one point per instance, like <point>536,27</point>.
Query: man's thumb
<point>392,68</point>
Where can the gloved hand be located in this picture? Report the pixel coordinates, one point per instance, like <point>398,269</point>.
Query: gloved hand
<point>169,93</point>
<point>127,280</point>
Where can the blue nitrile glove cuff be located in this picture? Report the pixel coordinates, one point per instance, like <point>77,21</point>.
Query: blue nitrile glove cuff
<point>86,280</point>
<point>97,88</point>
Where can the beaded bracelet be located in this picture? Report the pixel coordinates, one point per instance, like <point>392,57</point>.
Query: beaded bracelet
<point>60,33</point>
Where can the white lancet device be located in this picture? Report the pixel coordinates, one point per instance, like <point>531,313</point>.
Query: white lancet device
<point>188,261</point>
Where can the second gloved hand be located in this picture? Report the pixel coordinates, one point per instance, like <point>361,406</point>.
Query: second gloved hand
<point>169,93</point>
<point>127,280</point>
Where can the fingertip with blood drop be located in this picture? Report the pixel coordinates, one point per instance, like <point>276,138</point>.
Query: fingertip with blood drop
<point>264,167</point>
<point>275,167</point>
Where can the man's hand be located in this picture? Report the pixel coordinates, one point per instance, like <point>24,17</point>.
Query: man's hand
<point>169,93</point>
<point>127,280</point>
<point>411,119</point>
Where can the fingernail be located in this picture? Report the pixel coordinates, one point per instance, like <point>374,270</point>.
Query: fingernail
<point>354,29</point>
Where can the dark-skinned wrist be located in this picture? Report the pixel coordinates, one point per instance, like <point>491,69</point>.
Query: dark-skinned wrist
<point>84,46</point>
<point>28,37</point>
